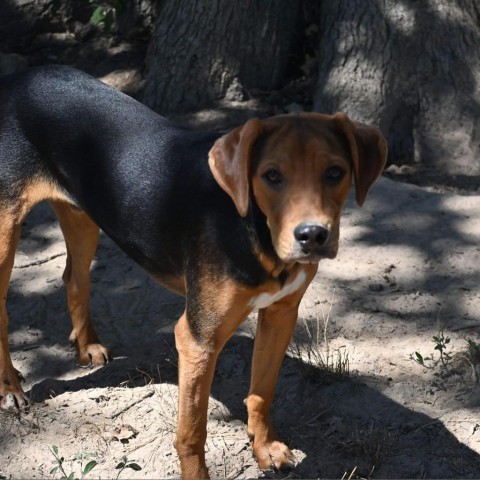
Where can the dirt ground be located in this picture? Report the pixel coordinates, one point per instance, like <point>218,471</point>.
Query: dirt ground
<point>407,270</point>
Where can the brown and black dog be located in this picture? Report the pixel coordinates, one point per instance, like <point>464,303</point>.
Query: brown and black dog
<point>234,223</point>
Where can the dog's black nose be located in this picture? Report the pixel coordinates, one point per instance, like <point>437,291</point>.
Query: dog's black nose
<point>311,235</point>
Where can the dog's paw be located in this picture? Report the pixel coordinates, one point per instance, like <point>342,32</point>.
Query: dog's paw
<point>274,455</point>
<point>95,354</point>
<point>14,401</point>
<point>11,393</point>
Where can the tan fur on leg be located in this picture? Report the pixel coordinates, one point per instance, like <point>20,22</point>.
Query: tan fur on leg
<point>81,237</point>
<point>11,393</point>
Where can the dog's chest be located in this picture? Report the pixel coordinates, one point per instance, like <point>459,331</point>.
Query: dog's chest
<point>265,299</point>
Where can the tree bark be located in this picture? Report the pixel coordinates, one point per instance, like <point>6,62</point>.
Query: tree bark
<point>137,17</point>
<point>200,50</point>
<point>411,67</point>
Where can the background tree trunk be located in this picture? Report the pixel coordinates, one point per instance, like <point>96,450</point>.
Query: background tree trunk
<point>137,17</point>
<point>411,67</point>
<point>200,50</point>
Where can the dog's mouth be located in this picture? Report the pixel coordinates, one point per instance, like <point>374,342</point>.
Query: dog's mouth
<point>315,257</point>
<point>311,256</point>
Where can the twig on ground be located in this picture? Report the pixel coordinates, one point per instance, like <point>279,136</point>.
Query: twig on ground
<point>132,404</point>
<point>41,261</point>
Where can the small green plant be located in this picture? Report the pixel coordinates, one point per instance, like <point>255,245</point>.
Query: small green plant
<point>441,346</point>
<point>126,463</point>
<point>106,13</point>
<point>80,457</point>
<point>424,361</point>
<point>441,342</point>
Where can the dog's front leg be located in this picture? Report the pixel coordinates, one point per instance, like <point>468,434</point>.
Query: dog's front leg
<point>274,330</point>
<point>216,305</point>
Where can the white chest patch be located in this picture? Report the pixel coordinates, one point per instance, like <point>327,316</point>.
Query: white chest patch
<point>265,299</point>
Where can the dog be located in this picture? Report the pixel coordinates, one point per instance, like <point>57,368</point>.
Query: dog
<point>233,222</point>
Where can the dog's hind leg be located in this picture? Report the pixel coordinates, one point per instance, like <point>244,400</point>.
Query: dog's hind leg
<point>81,237</point>
<point>11,393</point>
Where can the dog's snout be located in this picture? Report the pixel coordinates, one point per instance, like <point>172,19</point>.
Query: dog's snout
<point>311,235</point>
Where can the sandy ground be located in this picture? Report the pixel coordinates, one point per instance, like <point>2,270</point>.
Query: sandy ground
<point>408,269</point>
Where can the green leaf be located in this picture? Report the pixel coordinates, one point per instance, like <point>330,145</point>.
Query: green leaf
<point>55,449</point>
<point>71,476</point>
<point>89,467</point>
<point>134,466</point>
<point>436,339</point>
<point>98,15</point>
<point>53,470</point>
<point>447,340</point>
<point>419,358</point>
<point>120,465</point>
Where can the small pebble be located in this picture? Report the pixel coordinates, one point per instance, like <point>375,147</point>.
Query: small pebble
<point>376,287</point>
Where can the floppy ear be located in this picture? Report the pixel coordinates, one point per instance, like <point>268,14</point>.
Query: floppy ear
<point>368,148</point>
<point>229,161</point>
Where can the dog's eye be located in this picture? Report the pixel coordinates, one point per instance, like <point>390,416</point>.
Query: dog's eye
<point>273,176</point>
<point>334,174</point>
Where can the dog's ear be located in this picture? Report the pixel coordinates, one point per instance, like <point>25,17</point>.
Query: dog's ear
<point>229,161</point>
<point>368,148</point>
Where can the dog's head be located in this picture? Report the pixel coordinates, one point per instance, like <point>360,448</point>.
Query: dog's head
<point>299,169</point>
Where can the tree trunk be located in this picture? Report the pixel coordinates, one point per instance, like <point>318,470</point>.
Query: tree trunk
<point>411,67</point>
<point>137,17</point>
<point>201,50</point>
